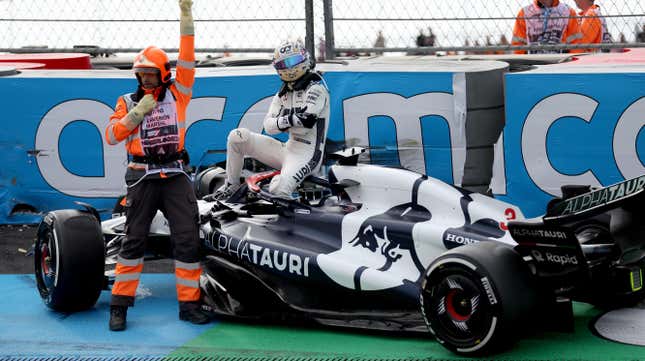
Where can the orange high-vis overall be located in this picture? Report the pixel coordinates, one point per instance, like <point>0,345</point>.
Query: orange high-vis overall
<point>541,25</point>
<point>593,27</point>
<point>128,271</point>
<point>181,90</point>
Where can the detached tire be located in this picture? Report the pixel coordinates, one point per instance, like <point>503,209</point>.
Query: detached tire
<point>476,298</point>
<point>208,181</point>
<point>69,260</point>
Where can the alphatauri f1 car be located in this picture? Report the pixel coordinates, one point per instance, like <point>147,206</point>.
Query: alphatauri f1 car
<point>378,248</point>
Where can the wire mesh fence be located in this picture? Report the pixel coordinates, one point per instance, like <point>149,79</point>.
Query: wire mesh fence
<point>331,27</point>
<point>233,26</point>
<point>419,26</point>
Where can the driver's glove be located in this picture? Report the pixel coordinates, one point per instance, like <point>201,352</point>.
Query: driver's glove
<point>302,119</point>
<point>284,122</point>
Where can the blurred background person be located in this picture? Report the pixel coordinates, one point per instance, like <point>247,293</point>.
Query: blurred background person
<point>640,35</point>
<point>546,22</point>
<point>420,42</point>
<point>488,44</point>
<point>466,44</point>
<point>592,24</point>
<point>622,40</point>
<point>322,48</point>
<point>503,41</point>
<point>431,38</point>
<point>379,42</point>
<point>477,45</point>
<point>424,40</point>
<point>421,39</point>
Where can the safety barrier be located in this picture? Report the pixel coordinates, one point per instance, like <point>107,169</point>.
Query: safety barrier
<point>571,123</point>
<point>55,153</point>
<point>564,124</point>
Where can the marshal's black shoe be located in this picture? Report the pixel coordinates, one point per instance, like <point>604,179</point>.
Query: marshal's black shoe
<point>117,317</point>
<point>192,313</point>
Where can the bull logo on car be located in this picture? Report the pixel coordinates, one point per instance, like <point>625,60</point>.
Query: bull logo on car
<point>384,245</point>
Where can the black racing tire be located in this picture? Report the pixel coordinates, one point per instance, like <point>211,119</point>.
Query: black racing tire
<point>69,260</point>
<point>477,298</point>
<point>208,181</point>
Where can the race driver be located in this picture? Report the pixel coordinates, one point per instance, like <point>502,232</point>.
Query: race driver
<point>152,123</point>
<point>300,108</point>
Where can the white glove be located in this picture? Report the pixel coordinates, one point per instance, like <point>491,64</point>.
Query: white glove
<point>293,119</point>
<point>185,6</point>
<point>284,122</point>
<point>186,24</point>
<point>145,106</point>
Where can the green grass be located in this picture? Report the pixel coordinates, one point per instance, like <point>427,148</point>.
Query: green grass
<point>255,342</point>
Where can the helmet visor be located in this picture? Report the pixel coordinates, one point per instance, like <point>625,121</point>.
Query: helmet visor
<point>146,70</point>
<point>290,62</point>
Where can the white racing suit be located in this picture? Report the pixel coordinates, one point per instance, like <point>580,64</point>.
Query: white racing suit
<point>303,112</point>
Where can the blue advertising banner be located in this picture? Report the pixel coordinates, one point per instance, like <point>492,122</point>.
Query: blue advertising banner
<point>569,125</point>
<point>54,152</point>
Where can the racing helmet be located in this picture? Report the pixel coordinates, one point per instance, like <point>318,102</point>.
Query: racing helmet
<point>152,59</point>
<point>291,60</point>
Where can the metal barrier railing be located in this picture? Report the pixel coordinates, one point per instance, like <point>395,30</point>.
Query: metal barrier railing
<point>329,27</point>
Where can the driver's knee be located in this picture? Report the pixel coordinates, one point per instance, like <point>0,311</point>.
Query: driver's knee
<point>237,136</point>
<point>282,186</point>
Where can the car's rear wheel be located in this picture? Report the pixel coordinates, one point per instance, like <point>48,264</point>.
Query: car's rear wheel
<point>69,260</point>
<point>475,298</point>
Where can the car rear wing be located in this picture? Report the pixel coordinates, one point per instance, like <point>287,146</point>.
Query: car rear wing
<point>596,201</point>
<point>555,250</point>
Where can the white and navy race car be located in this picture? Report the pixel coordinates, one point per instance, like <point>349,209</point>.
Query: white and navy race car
<point>366,247</point>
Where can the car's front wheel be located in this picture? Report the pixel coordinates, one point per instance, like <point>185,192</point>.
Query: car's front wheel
<point>475,298</point>
<point>69,260</point>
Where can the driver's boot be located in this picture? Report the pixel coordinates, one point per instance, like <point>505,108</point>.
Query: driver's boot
<point>223,193</point>
<point>118,315</point>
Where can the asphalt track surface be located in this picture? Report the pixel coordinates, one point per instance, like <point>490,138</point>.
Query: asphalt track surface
<point>16,240</point>
<point>30,331</point>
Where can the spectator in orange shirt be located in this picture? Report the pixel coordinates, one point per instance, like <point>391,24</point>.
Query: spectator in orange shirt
<point>592,24</point>
<point>546,22</point>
